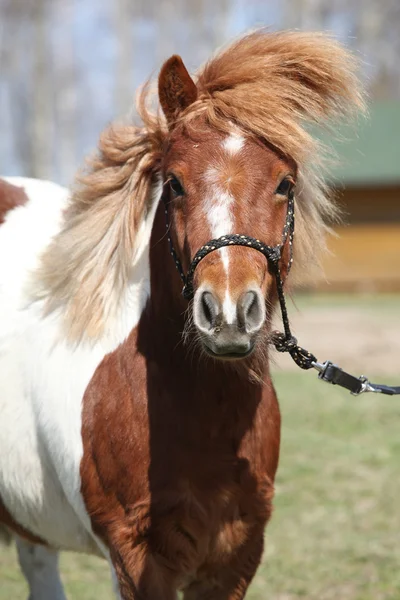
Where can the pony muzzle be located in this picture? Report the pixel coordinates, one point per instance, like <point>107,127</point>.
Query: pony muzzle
<point>228,328</point>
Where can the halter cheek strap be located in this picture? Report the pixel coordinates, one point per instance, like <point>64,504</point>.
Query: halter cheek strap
<point>283,342</point>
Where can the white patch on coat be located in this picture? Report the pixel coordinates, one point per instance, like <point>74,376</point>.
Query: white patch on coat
<point>233,143</point>
<point>44,377</point>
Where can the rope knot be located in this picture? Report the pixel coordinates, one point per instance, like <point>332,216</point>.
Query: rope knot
<point>283,343</point>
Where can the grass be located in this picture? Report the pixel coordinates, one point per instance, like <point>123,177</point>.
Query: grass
<point>335,533</point>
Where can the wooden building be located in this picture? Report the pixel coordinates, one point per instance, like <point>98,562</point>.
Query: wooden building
<point>365,255</point>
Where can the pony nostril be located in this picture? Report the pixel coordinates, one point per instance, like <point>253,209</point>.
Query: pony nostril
<point>251,313</point>
<point>209,310</point>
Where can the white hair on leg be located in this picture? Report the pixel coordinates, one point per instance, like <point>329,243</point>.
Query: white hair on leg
<point>39,564</point>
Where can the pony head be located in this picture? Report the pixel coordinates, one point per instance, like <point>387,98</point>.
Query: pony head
<point>236,151</point>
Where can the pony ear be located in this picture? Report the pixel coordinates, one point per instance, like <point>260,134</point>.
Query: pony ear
<point>176,89</point>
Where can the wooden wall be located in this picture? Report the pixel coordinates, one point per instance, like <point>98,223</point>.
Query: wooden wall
<point>370,204</point>
<point>365,254</point>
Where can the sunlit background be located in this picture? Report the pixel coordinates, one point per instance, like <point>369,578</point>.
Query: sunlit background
<point>68,68</point>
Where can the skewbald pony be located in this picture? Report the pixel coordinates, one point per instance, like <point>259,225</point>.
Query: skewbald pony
<point>268,85</point>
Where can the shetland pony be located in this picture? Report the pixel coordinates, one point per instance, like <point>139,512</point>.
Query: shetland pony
<point>136,425</point>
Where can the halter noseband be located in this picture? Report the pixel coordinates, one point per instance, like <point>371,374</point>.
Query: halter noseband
<point>273,254</point>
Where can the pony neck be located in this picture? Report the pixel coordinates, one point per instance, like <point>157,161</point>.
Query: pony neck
<point>163,323</point>
<point>166,307</point>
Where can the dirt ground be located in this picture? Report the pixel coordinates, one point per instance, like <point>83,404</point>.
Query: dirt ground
<point>360,334</point>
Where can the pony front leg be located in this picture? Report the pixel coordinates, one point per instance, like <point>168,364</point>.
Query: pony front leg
<point>231,581</point>
<point>39,564</point>
<point>141,577</point>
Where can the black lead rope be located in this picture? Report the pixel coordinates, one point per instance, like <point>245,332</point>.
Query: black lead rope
<point>283,342</point>
<point>327,371</point>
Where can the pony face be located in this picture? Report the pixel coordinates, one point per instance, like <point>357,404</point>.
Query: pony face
<point>218,183</point>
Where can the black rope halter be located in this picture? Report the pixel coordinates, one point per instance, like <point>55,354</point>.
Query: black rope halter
<point>283,342</point>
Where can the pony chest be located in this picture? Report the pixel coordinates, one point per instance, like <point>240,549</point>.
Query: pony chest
<point>204,528</point>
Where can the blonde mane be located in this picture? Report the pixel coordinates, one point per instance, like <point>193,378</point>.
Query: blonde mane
<point>270,85</point>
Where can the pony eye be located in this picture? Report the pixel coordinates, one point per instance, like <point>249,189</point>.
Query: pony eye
<point>285,187</point>
<point>176,186</point>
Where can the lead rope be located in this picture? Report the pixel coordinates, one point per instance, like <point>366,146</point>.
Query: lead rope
<point>327,371</point>
<point>283,342</point>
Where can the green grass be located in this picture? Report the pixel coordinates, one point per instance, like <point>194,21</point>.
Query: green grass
<point>336,528</point>
<point>335,533</point>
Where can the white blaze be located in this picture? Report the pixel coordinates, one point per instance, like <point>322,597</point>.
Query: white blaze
<point>233,143</point>
<point>229,309</point>
<point>218,209</point>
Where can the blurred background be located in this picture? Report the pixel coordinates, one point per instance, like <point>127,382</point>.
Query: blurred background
<point>68,68</point>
